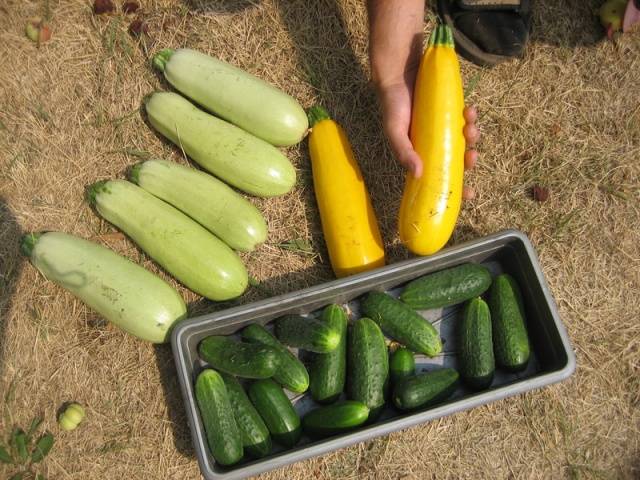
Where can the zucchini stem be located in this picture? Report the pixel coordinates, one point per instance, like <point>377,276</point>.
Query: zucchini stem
<point>316,114</point>
<point>94,190</point>
<point>28,241</point>
<point>161,58</point>
<point>134,173</point>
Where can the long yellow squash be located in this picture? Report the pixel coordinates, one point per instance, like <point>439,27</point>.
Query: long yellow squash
<point>348,220</point>
<point>431,204</point>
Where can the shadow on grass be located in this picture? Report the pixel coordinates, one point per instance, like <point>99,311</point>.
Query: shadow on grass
<point>11,263</point>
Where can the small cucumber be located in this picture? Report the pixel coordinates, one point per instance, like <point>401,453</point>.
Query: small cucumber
<point>510,339</point>
<point>334,419</point>
<point>401,365</point>
<point>245,360</point>
<point>255,434</point>
<point>291,373</point>
<point>475,346</point>
<point>276,410</point>
<point>447,287</point>
<point>328,371</point>
<point>307,333</point>
<point>425,389</point>
<point>368,366</point>
<point>402,323</point>
<point>223,435</point>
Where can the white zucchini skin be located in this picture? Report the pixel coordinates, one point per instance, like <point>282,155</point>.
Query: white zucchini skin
<point>230,153</point>
<point>124,293</point>
<point>210,202</point>
<point>235,95</point>
<point>183,247</point>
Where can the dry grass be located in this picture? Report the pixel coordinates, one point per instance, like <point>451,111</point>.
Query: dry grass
<point>566,116</point>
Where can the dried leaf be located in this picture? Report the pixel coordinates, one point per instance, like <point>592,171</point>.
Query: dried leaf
<point>138,27</point>
<point>130,6</point>
<point>103,6</point>
<point>540,193</point>
<point>42,448</point>
<point>298,245</point>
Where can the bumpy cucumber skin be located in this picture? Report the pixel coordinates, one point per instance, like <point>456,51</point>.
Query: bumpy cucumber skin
<point>402,364</point>
<point>447,287</point>
<point>368,366</point>
<point>223,435</point>
<point>402,323</point>
<point>255,434</point>
<point>291,374</point>
<point>510,339</point>
<point>334,419</point>
<point>276,410</point>
<point>246,360</point>
<point>328,371</point>
<point>306,333</point>
<point>425,389</point>
<point>475,345</point>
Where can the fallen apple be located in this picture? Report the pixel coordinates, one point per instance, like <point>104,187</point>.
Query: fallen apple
<point>37,30</point>
<point>611,15</point>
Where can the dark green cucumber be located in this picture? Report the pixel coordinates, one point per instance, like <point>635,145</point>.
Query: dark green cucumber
<point>425,389</point>
<point>276,410</point>
<point>368,366</point>
<point>510,339</point>
<point>291,373</point>
<point>245,360</point>
<point>223,435</point>
<point>401,365</point>
<point>447,287</point>
<point>328,371</point>
<point>307,333</point>
<point>334,419</point>
<point>475,345</point>
<point>402,323</point>
<point>255,434</point>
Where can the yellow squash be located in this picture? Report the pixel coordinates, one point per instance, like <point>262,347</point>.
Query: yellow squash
<point>431,204</point>
<point>348,221</point>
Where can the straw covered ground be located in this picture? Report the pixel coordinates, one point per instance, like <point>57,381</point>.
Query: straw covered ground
<point>565,117</point>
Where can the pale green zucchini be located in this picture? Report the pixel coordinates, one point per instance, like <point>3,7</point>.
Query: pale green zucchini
<point>230,153</point>
<point>124,293</point>
<point>235,95</point>
<point>190,253</point>
<point>206,199</point>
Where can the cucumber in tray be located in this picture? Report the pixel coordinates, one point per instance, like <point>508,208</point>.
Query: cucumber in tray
<point>335,419</point>
<point>425,389</point>
<point>475,346</point>
<point>235,156</point>
<point>123,292</point>
<point>246,360</point>
<point>307,333</point>
<point>189,252</point>
<point>402,364</point>
<point>276,410</point>
<point>210,202</point>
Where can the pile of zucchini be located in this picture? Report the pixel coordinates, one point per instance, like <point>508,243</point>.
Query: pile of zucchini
<point>349,369</point>
<point>190,222</point>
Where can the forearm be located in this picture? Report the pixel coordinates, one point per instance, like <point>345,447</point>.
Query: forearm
<point>395,39</point>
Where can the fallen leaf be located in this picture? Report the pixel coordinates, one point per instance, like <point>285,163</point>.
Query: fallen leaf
<point>540,193</point>
<point>130,6</point>
<point>103,6</point>
<point>138,27</point>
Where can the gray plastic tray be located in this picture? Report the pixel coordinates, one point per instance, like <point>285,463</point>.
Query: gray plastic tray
<point>509,251</point>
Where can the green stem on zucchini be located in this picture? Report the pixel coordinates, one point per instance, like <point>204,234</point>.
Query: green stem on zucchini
<point>441,36</point>
<point>161,58</point>
<point>29,241</point>
<point>95,189</point>
<point>134,173</point>
<point>317,114</point>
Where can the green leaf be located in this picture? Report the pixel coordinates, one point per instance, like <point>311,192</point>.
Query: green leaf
<point>35,423</point>
<point>254,282</point>
<point>42,448</point>
<point>20,443</point>
<point>40,477</point>
<point>17,476</point>
<point>298,245</point>
<point>5,456</point>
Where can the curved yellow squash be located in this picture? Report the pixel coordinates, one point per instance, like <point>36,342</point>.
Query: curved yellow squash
<point>431,204</point>
<point>348,221</point>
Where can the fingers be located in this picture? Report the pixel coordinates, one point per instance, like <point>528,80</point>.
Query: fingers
<point>468,193</point>
<point>470,114</point>
<point>470,159</point>
<point>471,134</point>
<point>404,152</point>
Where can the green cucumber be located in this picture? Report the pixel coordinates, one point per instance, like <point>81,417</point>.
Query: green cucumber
<point>291,373</point>
<point>256,440</point>
<point>307,333</point>
<point>210,202</point>
<point>223,435</point>
<point>235,95</point>
<point>368,366</point>
<point>401,365</point>
<point>402,323</point>
<point>328,371</point>
<point>276,410</point>
<point>475,345</point>
<point>335,419</point>
<point>510,339</point>
<point>246,360</point>
<point>425,389</point>
<point>183,247</point>
<point>127,295</point>
<point>230,153</point>
<point>447,287</point>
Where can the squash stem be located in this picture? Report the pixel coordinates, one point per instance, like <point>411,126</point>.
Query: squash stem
<point>161,58</point>
<point>28,241</point>
<point>134,173</point>
<point>94,190</point>
<point>441,36</point>
<point>317,114</point>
